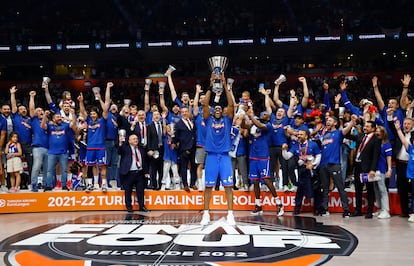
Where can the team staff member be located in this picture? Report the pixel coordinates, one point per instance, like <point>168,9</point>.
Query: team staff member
<point>133,170</point>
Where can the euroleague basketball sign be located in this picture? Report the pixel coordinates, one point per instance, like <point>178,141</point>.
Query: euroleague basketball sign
<point>178,239</point>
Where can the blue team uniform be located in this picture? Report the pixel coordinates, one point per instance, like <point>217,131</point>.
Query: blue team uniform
<point>96,150</point>
<point>259,153</point>
<point>331,147</point>
<point>217,146</point>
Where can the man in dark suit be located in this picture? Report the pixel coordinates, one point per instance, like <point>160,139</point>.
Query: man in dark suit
<point>155,150</point>
<point>133,170</point>
<point>368,150</point>
<point>185,140</point>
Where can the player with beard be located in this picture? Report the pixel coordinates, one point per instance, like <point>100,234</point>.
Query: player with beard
<point>330,165</point>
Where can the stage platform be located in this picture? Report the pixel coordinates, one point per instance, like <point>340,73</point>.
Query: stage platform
<point>171,200</point>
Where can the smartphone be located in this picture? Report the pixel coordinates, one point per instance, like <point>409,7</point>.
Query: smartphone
<point>261,85</point>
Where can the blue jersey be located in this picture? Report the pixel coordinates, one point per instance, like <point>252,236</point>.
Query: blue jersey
<point>218,134</point>
<point>170,154</point>
<point>40,136</point>
<point>58,138</point>
<point>410,166</point>
<point>278,137</point>
<point>302,150</point>
<point>331,147</point>
<point>172,118</point>
<point>259,143</point>
<point>201,130</point>
<point>23,127</point>
<point>386,150</point>
<point>242,147</point>
<point>111,127</point>
<point>96,133</point>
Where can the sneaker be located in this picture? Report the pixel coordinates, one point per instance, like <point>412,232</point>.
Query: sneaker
<point>384,215</point>
<point>66,188</point>
<point>230,219</point>
<point>376,213</point>
<point>4,188</point>
<point>285,188</point>
<point>89,187</point>
<point>411,219</point>
<point>104,187</point>
<point>280,209</point>
<point>58,185</point>
<point>257,211</point>
<point>346,214</point>
<point>96,186</point>
<point>206,219</point>
<point>47,189</point>
<point>324,213</point>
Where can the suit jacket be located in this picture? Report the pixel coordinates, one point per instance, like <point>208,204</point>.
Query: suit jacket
<point>184,137</point>
<point>370,153</point>
<point>153,137</point>
<point>126,158</point>
<point>137,131</point>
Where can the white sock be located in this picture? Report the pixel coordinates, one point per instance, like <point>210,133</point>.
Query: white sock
<point>230,212</point>
<point>206,212</point>
<point>258,202</point>
<point>89,181</point>
<point>104,181</point>
<point>96,179</point>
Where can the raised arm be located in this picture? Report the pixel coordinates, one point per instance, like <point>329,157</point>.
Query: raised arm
<point>230,98</point>
<point>196,99</point>
<point>326,98</point>
<point>401,134</point>
<point>47,93</point>
<point>173,92</point>
<point>43,123</point>
<point>276,98</point>
<point>268,101</point>
<point>162,100</point>
<point>352,123</point>
<point>305,97</point>
<point>354,110</point>
<point>13,103</point>
<point>377,93</point>
<point>106,104</point>
<point>32,106</point>
<point>146,98</point>
<point>206,107</point>
<point>82,110</point>
<point>404,102</point>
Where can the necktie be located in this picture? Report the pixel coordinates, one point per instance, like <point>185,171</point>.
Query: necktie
<point>159,131</point>
<point>189,124</point>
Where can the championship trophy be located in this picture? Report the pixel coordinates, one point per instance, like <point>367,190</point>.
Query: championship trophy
<point>169,70</point>
<point>45,82</point>
<point>127,102</point>
<point>280,79</point>
<point>96,91</point>
<point>218,65</point>
<point>148,81</point>
<point>161,85</point>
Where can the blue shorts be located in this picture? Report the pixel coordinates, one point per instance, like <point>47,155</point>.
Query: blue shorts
<point>94,157</point>
<point>259,169</point>
<point>218,164</point>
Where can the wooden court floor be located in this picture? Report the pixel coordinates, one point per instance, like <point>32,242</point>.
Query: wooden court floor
<point>379,242</point>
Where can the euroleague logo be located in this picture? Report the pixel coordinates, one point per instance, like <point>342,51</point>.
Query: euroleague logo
<point>178,239</point>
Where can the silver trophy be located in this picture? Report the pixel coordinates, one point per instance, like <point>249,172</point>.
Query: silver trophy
<point>96,91</point>
<point>169,70</point>
<point>161,85</point>
<point>122,134</point>
<point>148,81</point>
<point>218,65</point>
<point>280,79</point>
<point>127,102</point>
<point>45,82</point>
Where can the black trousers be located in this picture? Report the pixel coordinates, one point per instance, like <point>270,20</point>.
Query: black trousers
<point>359,186</point>
<point>156,166</point>
<point>403,186</point>
<point>137,180</point>
<point>185,159</point>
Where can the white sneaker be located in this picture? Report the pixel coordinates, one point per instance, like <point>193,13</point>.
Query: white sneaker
<point>89,187</point>
<point>285,188</point>
<point>279,207</point>
<point>206,219</point>
<point>376,214</point>
<point>384,215</point>
<point>96,186</point>
<point>104,187</point>
<point>411,219</point>
<point>230,219</point>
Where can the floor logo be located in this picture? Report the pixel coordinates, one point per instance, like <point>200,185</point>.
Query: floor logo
<point>178,239</point>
